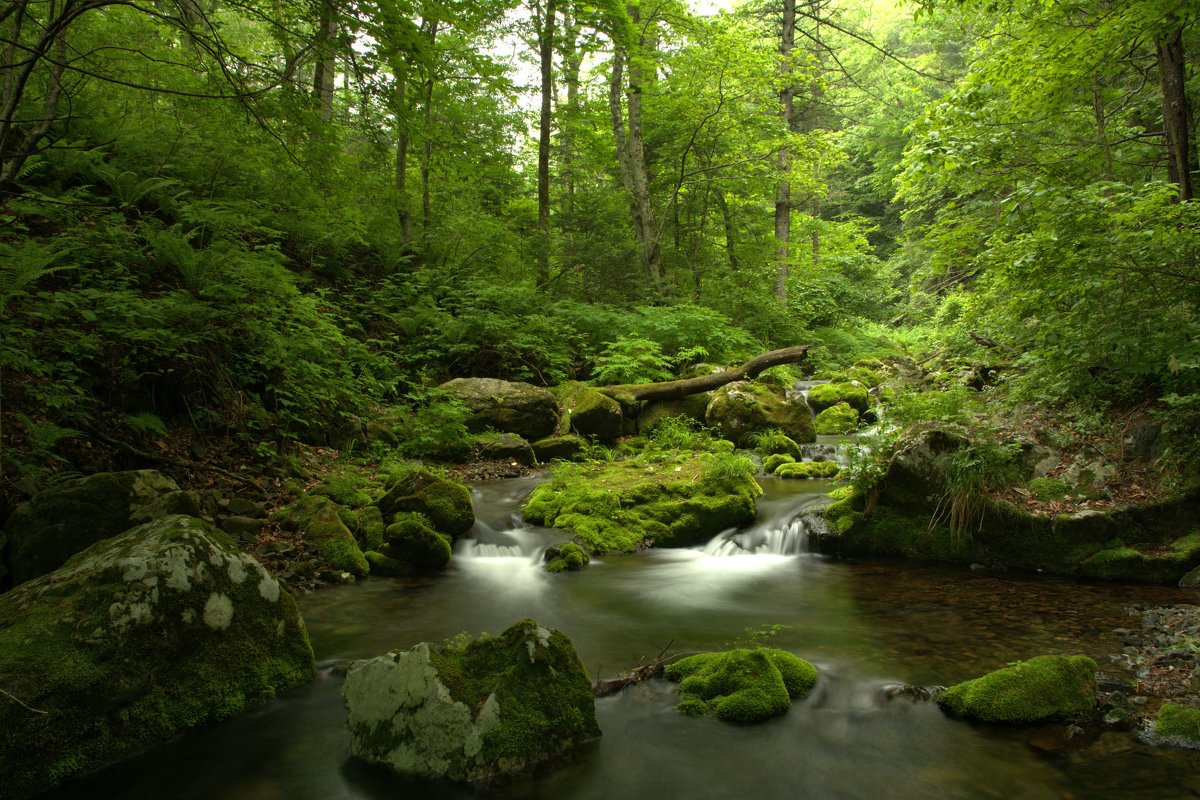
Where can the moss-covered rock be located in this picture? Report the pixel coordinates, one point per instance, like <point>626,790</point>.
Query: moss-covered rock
<point>411,540</point>
<point>569,556</point>
<point>347,488</point>
<point>827,395</point>
<point>774,462</point>
<point>625,505</point>
<point>504,447</point>
<point>741,685</point>
<point>808,469</point>
<point>506,406</point>
<point>772,441</point>
<point>837,419</point>
<point>1144,563</point>
<point>1178,725</point>
<point>589,412</point>
<point>162,628</point>
<point>691,407</point>
<point>561,448</point>
<point>472,711</point>
<point>445,502</point>
<point>64,519</point>
<point>740,408</point>
<point>371,527</point>
<point>1042,688</point>
<point>320,520</point>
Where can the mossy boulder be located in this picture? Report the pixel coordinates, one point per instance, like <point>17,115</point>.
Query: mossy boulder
<point>165,627</point>
<point>347,488</point>
<point>837,419</point>
<point>474,710</point>
<point>691,407</point>
<point>320,520</point>
<point>64,519</point>
<point>370,528</point>
<point>740,408</point>
<point>808,469</point>
<point>1178,725</point>
<point>774,462</point>
<point>445,502</point>
<point>589,412</point>
<point>569,556</point>
<point>1144,563</point>
<point>504,447</point>
<point>622,506</point>
<point>1049,489</point>
<point>827,395</point>
<point>506,406</point>
<point>1040,689</point>
<point>743,685</point>
<point>416,547</point>
<point>561,448</point>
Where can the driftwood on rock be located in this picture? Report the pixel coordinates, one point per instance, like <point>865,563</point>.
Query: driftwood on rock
<point>642,672</point>
<point>674,390</point>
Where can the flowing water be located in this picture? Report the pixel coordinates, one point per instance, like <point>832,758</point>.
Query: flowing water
<point>867,626</point>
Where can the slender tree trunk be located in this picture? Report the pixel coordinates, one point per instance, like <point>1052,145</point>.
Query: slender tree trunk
<point>730,230</point>
<point>403,211</point>
<point>546,55</point>
<point>427,155</point>
<point>326,69</point>
<point>572,65</point>
<point>783,190</point>
<point>1177,112</point>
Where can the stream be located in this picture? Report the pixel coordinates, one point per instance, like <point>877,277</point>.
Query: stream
<point>866,625</point>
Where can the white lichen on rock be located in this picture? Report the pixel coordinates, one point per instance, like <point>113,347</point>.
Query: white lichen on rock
<point>218,611</point>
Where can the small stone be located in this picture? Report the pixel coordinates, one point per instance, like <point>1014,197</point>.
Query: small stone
<point>244,529</point>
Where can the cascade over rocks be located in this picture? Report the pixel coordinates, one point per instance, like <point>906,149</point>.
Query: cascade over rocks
<point>739,409</point>
<point>62,520</point>
<point>506,406</point>
<point>472,711</point>
<point>162,628</point>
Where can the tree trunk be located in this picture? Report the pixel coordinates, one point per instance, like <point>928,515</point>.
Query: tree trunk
<point>326,69</point>
<point>673,390</point>
<point>730,230</point>
<point>403,211</point>
<point>783,190</point>
<point>1177,113</point>
<point>546,54</point>
<point>427,156</point>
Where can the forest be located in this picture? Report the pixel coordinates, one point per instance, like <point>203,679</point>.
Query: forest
<point>265,252</point>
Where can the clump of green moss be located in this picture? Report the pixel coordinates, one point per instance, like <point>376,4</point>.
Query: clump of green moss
<point>412,540</point>
<point>346,488</point>
<point>772,463</point>
<point>371,527</point>
<point>827,395</point>
<point>1042,688</point>
<point>445,502</point>
<point>1047,489</point>
<point>772,441</point>
<point>621,506</point>
<point>841,418</point>
<point>1151,563</point>
<point>742,685</point>
<point>808,469</point>
<point>320,519</point>
<point>1178,724</point>
<point>569,556</point>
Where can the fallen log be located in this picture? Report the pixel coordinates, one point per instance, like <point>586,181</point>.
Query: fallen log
<point>674,390</point>
<point>642,672</point>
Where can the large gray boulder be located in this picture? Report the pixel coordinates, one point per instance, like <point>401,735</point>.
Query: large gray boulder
<point>740,408</point>
<point>162,628</point>
<point>506,406</point>
<point>472,711</point>
<point>62,520</point>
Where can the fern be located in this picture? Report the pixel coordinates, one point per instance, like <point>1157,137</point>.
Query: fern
<point>24,263</point>
<point>146,422</point>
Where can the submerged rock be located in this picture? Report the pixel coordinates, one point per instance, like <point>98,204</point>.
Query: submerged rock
<point>472,711</point>
<point>1042,688</point>
<point>506,406</point>
<point>162,628</point>
<point>65,519</point>
<point>742,685</point>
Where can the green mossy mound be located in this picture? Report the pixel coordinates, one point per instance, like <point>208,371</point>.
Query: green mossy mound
<point>1178,725</point>
<point>162,628</point>
<point>472,710</point>
<point>808,469</point>
<point>622,506</point>
<point>774,462</point>
<point>414,546</point>
<point>835,420</point>
<point>370,528</point>
<point>1047,489</point>
<point>589,412</point>
<point>346,488</point>
<point>569,556</point>
<point>65,519</point>
<point>827,395</point>
<point>320,520</point>
<point>772,442</point>
<point>740,408</point>
<point>741,685</point>
<point>1144,563</point>
<point>1042,688</point>
<point>446,503</point>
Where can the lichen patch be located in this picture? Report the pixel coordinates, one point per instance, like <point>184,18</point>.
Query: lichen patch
<point>218,611</point>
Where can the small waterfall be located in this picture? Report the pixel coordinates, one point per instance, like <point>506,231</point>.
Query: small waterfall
<point>787,539</point>
<point>523,544</point>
